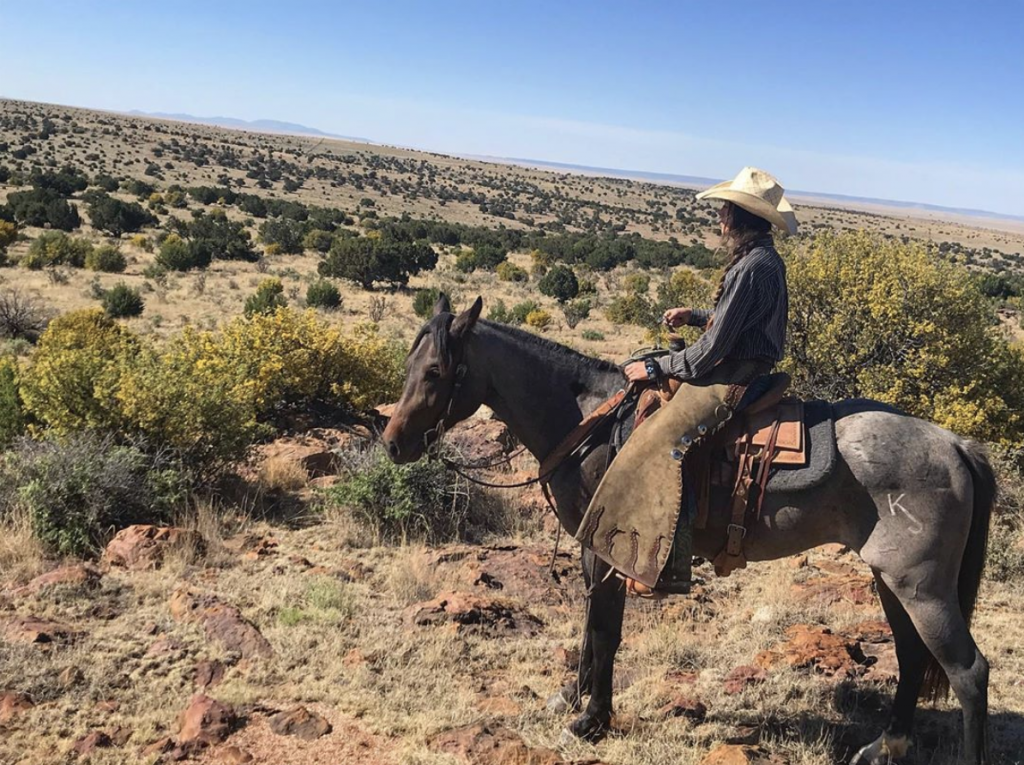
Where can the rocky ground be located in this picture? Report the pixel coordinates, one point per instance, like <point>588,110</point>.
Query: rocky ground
<point>296,640</point>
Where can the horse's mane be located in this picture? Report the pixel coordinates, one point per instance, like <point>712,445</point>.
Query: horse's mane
<point>439,326</point>
<point>528,338</point>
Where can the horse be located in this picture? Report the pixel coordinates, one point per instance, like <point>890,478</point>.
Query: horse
<point>912,499</point>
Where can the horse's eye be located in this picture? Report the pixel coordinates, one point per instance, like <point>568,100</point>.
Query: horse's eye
<point>434,373</point>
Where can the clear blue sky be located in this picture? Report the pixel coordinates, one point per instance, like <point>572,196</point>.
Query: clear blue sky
<point>918,101</point>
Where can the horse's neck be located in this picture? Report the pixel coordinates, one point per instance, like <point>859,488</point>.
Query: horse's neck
<point>539,393</point>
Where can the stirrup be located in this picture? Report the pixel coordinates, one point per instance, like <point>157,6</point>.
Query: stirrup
<point>663,590</point>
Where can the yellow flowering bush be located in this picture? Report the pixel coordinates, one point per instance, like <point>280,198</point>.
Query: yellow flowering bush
<point>205,394</point>
<point>538,319</point>
<point>71,383</point>
<point>896,322</point>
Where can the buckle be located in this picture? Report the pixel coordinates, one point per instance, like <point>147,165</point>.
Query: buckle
<point>743,529</point>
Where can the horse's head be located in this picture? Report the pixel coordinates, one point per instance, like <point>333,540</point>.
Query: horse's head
<point>439,388</point>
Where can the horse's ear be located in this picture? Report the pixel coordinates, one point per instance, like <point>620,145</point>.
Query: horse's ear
<point>443,305</point>
<point>466,320</point>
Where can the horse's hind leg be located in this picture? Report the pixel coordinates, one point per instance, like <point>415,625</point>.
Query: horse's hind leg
<point>913,658</point>
<point>941,625</point>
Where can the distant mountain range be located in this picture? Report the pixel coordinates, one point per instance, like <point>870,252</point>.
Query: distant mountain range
<point>256,126</point>
<point>692,180</point>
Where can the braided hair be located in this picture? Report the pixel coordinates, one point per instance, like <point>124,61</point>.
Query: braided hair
<point>743,231</point>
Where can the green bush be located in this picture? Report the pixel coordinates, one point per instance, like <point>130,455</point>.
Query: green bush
<point>592,334</point>
<point>79,489</point>
<point>510,272</point>
<point>268,298</point>
<point>318,240</point>
<point>632,308</point>
<point>520,311</point>
<point>366,260</point>
<point>422,500</point>
<point>424,300</point>
<point>575,311</point>
<point>55,248</point>
<point>12,415</point>
<point>560,283</point>
<point>116,217</point>
<point>122,301</point>
<point>323,294</point>
<point>106,258</point>
<point>178,255</point>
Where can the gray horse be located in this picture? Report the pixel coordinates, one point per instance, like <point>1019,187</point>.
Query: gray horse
<point>912,499</point>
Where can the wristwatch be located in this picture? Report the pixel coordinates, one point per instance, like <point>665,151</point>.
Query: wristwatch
<point>653,369</point>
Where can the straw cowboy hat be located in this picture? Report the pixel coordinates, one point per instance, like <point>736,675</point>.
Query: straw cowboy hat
<point>758,193</point>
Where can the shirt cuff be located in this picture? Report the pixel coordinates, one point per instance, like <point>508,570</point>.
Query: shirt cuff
<point>699,317</point>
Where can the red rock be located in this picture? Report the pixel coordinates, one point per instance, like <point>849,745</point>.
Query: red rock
<point>881,663</point>
<point>13,704</point>
<point>567,658</point>
<point>736,754</point>
<point>88,743</point>
<point>30,629</point>
<point>472,612</point>
<point>484,744</point>
<point>108,706</point>
<point>208,674</point>
<point>120,735</point>
<point>872,631</point>
<point>481,441</point>
<point>386,410</point>
<point>317,456</point>
<point>815,648</point>
<point>221,622</point>
<point>828,590</point>
<point>160,746</point>
<point>684,706</point>
<point>82,574</point>
<point>742,677</point>
<point>69,677</point>
<point>143,547</point>
<point>205,721</point>
<point>298,560</point>
<point>798,561</point>
<point>300,722</point>
<point>232,755</point>
<point>165,645</point>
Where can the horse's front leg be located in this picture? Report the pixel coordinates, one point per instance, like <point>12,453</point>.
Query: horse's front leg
<point>569,698</point>
<point>605,609</point>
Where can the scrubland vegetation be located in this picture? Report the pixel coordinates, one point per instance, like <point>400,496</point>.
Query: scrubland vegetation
<point>112,414</point>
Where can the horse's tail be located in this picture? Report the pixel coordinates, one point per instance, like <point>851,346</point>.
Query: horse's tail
<point>975,457</point>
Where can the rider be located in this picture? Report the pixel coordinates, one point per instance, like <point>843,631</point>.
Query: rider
<point>636,508</point>
<point>751,304</point>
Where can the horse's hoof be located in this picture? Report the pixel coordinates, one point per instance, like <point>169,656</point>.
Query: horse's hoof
<point>564,700</point>
<point>589,728</point>
<point>882,751</point>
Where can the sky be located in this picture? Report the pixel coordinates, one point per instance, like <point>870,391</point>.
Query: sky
<point>911,101</point>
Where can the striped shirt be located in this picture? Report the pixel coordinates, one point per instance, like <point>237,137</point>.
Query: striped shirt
<point>749,319</point>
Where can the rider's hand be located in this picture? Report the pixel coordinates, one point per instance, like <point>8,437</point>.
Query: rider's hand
<point>636,372</point>
<point>676,317</point>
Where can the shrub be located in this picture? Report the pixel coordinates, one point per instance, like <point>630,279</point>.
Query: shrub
<point>323,294</point>
<point>510,272</point>
<point>8,235</point>
<point>78,489</point>
<point>592,334</point>
<point>466,261</point>
<point>43,207</point>
<point>318,240</point>
<point>268,298</point>
<point>106,258</point>
<point>213,235</point>
<point>21,315</point>
<point>55,248</point>
<point>520,311</point>
<point>898,323</point>
<point>178,255</point>
<point>424,300</point>
<point>422,500</point>
<point>143,242</point>
<point>72,381</point>
<point>121,301</point>
<point>538,319</point>
<point>366,260</point>
<point>560,283</point>
<point>116,217</point>
<point>12,415</point>
<point>287,234</point>
<point>575,311</point>
<point>632,308</point>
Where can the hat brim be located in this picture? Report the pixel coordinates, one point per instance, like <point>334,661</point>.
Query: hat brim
<point>781,217</point>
